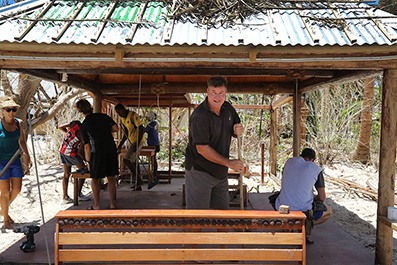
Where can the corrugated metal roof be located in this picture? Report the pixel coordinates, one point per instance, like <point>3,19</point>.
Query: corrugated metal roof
<point>276,27</point>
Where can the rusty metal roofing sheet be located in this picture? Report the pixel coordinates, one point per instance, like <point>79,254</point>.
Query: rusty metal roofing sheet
<point>350,25</point>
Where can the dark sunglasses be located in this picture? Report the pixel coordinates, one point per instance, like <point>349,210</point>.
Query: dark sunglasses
<point>13,110</point>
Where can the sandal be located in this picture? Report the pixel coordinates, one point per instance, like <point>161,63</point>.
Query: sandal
<point>309,241</point>
<point>91,207</point>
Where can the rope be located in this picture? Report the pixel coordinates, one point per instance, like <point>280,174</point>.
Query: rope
<point>137,135</point>
<point>38,187</point>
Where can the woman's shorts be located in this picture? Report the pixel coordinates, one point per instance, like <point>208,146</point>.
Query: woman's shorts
<point>14,171</point>
<point>70,160</point>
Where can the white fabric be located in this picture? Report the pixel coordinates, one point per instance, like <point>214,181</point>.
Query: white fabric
<point>299,177</point>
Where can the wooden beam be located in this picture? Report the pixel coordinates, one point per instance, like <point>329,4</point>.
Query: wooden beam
<point>204,51</point>
<point>343,79</point>
<point>252,55</point>
<point>387,167</point>
<point>119,54</point>
<point>138,18</point>
<point>194,71</point>
<point>53,76</point>
<point>237,88</point>
<point>279,102</point>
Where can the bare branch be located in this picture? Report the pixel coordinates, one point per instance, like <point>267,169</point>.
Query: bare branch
<point>45,116</point>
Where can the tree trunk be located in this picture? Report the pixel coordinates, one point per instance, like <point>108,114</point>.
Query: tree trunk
<point>362,152</point>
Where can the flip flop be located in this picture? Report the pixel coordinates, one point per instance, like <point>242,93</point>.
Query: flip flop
<point>309,241</point>
<point>108,207</point>
<point>91,207</point>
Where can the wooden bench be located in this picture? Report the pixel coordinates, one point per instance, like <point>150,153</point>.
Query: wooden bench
<point>160,236</point>
<point>76,176</point>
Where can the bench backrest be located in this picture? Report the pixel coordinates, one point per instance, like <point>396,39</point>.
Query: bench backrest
<point>162,235</point>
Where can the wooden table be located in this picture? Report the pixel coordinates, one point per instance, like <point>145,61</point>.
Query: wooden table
<point>149,152</point>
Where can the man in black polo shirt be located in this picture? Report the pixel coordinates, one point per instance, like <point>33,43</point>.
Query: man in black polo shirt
<point>212,125</point>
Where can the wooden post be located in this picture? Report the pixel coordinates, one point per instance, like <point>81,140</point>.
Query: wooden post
<point>273,141</point>
<point>387,167</point>
<point>170,143</point>
<point>262,162</point>
<point>241,178</point>
<point>297,119</point>
<point>97,103</point>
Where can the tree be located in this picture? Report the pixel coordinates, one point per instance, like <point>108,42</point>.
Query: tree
<point>25,91</point>
<point>389,6</point>
<point>362,152</point>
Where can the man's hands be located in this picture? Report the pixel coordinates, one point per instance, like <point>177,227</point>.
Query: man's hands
<point>236,165</point>
<point>238,129</point>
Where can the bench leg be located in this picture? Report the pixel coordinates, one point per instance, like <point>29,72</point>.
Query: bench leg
<point>75,192</point>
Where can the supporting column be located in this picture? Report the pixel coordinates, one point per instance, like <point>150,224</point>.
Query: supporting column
<point>387,167</point>
<point>170,143</point>
<point>97,103</point>
<point>273,141</point>
<point>297,121</point>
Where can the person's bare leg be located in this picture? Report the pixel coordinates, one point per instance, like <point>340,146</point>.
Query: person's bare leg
<point>96,188</point>
<point>65,180</point>
<point>81,181</point>
<point>16,186</point>
<point>326,215</point>
<point>112,191</point>
<point>5,202</point>
<point>132,167</point>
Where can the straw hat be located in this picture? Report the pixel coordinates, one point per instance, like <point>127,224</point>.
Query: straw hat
<point>8,103</point>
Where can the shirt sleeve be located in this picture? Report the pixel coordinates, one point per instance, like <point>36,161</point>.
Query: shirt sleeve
<point>200,129</point>
<point>136,120</point>
<point>320,181</point>
<point>84,134</point>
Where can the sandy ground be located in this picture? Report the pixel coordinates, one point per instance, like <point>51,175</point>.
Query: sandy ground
<point>353,212</point>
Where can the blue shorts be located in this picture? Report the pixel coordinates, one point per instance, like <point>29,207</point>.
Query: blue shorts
<point>317,215</point>
<point>14,171</point>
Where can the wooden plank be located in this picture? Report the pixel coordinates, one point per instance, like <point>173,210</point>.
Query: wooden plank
<point>138,18</point>
<point>314,31</point>
<point>387,30</point>
<point>387,165</point>
<point>203,32</point>
<point>176,213</point>
<point>391,223</point>
<point>179,254</point>
<point>343,79</point>
<point>348,28</point>
<point>66,24</point>
<point>280,101</point>
<point>29,25</point>
<point>102,24</point>
<point>169,27</point>
<point>276,33</point>
<point>122,238</point>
